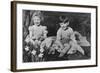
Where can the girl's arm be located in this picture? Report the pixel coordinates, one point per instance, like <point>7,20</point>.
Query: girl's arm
<point>30,32</point>
<point>45,32</point>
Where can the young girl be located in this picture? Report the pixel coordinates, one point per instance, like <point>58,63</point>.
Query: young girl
<point>37,32</point>
<point>65,36</point>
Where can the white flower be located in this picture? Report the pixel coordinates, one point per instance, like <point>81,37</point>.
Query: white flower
<point>26,48</point>
<point>41,50</point>
<point>40,55</point>
<point>27,40</point>
<point>33,52</point>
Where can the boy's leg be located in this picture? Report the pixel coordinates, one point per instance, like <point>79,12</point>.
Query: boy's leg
<point>51,50</point>
<point>75,46</point>
<point>80,50</point>
<point>65,50</point>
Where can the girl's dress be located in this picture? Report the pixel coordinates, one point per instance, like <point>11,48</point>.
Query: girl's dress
<point>37,33</point>
<point>37,36</point>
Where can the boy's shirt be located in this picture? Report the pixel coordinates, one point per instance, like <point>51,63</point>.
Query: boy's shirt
<point>64,35</point>
<point>38,31</point>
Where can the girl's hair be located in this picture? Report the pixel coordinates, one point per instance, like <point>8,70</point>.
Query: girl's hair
<point>37,13</point>
<point>64,19</point>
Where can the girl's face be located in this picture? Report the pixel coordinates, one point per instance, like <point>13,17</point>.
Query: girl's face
<point>36,20</point>
<point>64,25</point>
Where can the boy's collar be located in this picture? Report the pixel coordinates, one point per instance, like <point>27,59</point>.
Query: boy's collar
<point>65,29</point>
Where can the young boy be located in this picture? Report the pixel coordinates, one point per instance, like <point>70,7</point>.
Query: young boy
<point>65,36</point>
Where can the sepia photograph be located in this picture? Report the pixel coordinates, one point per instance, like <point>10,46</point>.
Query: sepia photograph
<point>49,36</point>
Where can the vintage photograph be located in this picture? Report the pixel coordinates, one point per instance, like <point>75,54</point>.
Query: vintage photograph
<point>56,36</point>
<point>47,36</point>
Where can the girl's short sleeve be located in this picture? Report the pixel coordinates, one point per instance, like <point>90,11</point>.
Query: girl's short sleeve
<point>30,28</point>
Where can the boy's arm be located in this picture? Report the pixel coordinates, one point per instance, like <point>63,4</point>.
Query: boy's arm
<point>58,40</point>
<point>73,36</point>
<point>59,44</point>
<point>59,35</point>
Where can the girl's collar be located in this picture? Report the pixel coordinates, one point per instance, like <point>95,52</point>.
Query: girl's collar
<point>37,25</point>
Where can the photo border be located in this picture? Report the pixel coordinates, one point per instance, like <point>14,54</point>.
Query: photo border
<point>14,35</point>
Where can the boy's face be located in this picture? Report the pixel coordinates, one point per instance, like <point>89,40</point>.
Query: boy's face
<point>64,25</point>
<point>36,20</point>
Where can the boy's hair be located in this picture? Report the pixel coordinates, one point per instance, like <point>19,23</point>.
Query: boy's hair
<point>64,19</point>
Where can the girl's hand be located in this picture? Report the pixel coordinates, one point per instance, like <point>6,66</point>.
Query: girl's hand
<point>33,37</point>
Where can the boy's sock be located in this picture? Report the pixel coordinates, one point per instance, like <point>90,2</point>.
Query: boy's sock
<point>61,54</point>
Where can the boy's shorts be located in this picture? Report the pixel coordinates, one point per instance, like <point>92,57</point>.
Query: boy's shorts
<point>63,41</point>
